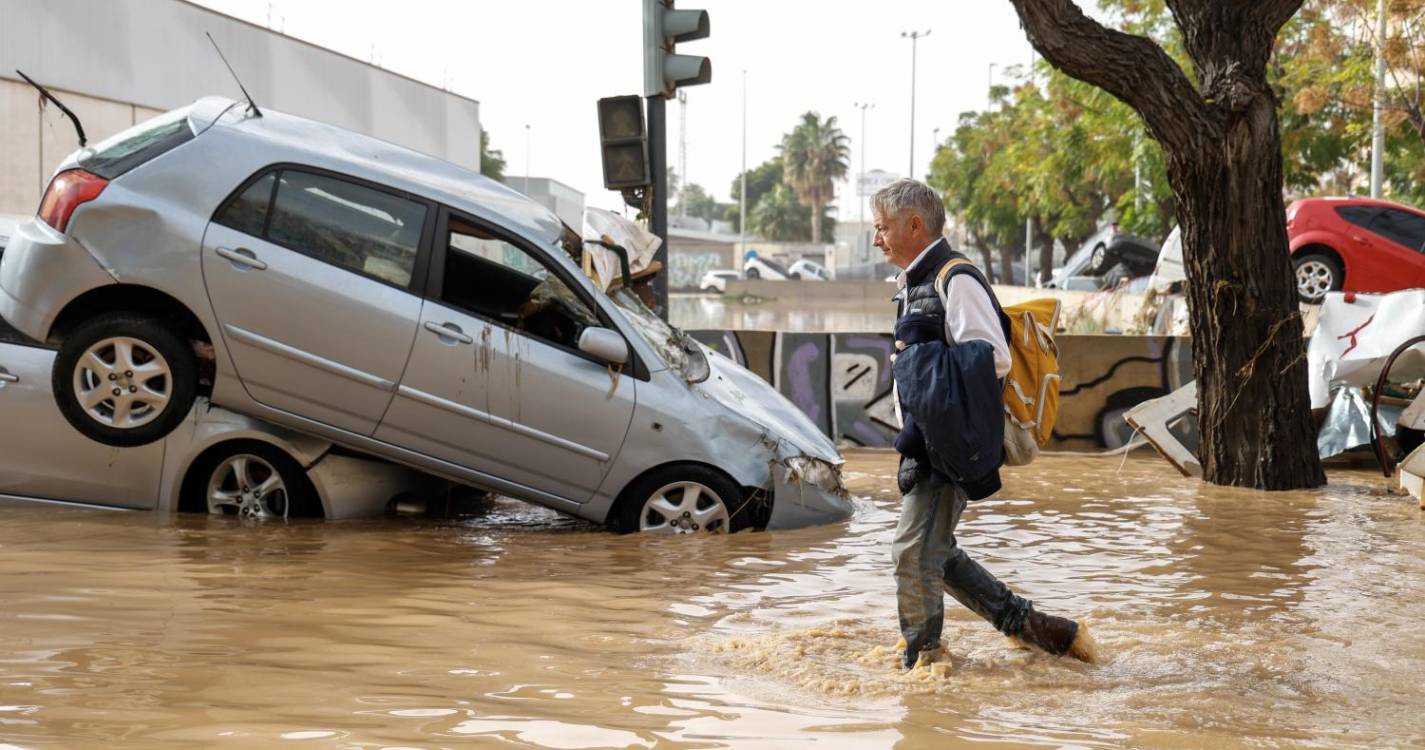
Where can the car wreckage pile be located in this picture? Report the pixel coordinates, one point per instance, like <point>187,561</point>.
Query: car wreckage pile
<point>1367,385</point>
<point>293,293</point>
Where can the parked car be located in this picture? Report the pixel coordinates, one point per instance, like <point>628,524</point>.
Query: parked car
<point>758,267</point>
<point>808,270</point>
<point>716,280</point>
<point>216,462</point>
<point>1105,261</point>
<point>399,306</point>
<point>1355,244</point>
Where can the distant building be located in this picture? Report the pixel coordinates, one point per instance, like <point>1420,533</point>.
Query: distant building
<point>120,63</point>
<point>566,202</point>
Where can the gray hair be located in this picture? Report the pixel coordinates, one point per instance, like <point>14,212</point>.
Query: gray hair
<point>916,196</point>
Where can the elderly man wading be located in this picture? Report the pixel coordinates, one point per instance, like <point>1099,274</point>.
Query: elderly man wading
<point>965,317</point>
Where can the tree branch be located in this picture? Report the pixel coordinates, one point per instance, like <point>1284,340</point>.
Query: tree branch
<point>1132,68</point>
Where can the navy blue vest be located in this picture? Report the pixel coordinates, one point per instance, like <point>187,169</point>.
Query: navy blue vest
<point>920,296</point>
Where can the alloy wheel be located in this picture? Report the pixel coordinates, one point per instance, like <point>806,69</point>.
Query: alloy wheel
<point>1314,279</point>
<point>122,382</point>
<point>247,486</point>
<point>684,508</point>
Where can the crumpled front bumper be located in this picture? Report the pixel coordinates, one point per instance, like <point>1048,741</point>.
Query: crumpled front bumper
<point>807,491</point>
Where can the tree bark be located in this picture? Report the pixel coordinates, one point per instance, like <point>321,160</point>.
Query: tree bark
<point>1224,163</point>
<point>816,221</point>
<point>1006,265</point>
<point>986,261</point>
<point>1046,255</point>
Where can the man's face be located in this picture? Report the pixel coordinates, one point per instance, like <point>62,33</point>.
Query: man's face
<point>901,238</point>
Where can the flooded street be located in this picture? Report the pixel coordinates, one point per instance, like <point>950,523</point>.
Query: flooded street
<point>698,312</point>
<point>1226,618</point>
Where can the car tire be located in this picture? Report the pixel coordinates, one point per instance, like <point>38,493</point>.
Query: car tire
<point>1316,274</point>
<point>250,479</point>
<point>682,499</point>
<point>794,276</point>
<point>753,273</point>
<point>101,367</point>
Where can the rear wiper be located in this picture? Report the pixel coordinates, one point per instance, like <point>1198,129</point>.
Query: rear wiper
<point>46,94</point>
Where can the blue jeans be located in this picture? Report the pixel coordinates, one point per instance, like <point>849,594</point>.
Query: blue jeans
<point>929,563</point>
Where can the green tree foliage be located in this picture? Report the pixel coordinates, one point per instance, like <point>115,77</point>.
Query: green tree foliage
<point>779,216</point>
<point>492,160</point>
<point>694,201</point>
<point>815,154</point>
<point>1071,156</point>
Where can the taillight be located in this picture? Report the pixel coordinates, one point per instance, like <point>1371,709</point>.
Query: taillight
<point>66,191</point>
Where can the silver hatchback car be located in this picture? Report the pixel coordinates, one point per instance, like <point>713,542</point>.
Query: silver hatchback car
<point>395,304</point>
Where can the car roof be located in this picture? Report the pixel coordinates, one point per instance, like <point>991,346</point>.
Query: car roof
<point>373,159</point>
<point>1350,200</point>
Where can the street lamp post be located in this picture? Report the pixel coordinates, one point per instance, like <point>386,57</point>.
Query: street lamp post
<point>742,201</point>
<point>860,180</point>
<point>913,36</point>
<point>990,88</point>
<point>1377,128</point>
<point>526,158</point>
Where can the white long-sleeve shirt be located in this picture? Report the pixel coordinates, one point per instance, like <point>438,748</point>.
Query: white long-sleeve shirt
<point>969,314</point>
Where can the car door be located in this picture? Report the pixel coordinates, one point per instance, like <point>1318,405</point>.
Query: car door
<point>41,456</point>
<point>313,280</point>
<point>1404,235</point>
<point>496,382</point>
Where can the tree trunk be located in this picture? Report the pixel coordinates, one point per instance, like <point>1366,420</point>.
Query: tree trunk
<point>1006,265</point>
<point>1046,255</point>
<point>816,205</point>
<point>1224,163</point>
<point>986,261</point>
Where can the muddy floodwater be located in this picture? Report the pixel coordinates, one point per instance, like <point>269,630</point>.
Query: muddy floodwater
<point>695,312</point>
<point>1226,618</point>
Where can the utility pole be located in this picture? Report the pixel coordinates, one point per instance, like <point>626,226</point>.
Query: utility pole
<point>862,248</point>
<point>1029,219</point>
<point>990,88</point>
<point>913,36</point>
<point>742,201</point>
<point>1378,127</point>
<point>683,151</point>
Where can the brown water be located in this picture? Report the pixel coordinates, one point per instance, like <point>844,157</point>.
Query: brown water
<point>714,312</point>
<point>1227,618</point>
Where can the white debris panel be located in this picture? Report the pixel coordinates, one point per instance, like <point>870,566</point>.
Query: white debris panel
<point>1355,335</point>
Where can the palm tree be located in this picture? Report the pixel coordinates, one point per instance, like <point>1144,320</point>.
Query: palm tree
<point>814,155</point>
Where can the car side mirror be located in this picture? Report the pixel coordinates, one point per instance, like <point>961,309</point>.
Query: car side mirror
<point>604,344</point>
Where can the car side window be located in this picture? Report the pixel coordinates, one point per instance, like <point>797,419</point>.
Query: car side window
<point>247,213</point>
<point>494,278</point>
<point>1402,227</point>
<point>352,226</point>
<point>1358,215</point>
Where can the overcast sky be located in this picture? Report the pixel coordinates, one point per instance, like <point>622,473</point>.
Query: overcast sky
<point>544,63</point>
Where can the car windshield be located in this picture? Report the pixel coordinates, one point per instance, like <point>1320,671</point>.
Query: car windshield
<point>676,348</point>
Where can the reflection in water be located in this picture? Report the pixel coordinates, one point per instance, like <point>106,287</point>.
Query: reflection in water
<point>1228,618</point>
<point>713,312</point>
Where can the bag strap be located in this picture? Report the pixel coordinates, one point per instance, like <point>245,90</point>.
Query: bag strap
<point>960,265</point>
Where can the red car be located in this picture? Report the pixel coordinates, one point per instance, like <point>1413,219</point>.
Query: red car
<point>1355,244</point>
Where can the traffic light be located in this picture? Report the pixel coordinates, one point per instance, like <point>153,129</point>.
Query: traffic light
<point>663,27</point>
<point>624,145</point>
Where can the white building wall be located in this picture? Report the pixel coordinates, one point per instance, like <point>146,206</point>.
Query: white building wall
<point>119,62</point>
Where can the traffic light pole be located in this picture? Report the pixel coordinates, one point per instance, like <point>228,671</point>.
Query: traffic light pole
<point>658,201</point>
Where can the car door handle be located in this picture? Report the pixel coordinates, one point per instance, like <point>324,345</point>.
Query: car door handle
<point>242,257</point>
<point>6,377</point>
<point>448,331</point>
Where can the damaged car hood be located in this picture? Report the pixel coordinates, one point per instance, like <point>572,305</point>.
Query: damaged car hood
<point>740,390</point>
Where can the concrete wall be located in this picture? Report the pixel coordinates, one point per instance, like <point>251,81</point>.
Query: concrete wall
<point>118,63</point>
<point>842,381</point>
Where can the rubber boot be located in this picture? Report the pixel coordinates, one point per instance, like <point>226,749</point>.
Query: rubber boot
<point>1058,636</point>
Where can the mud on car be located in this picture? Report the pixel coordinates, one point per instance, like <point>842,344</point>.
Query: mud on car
<point>395,304</point>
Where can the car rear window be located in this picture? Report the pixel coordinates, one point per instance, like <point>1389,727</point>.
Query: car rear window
<point>137,145</point>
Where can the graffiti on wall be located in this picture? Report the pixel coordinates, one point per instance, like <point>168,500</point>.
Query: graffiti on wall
<point>686,269</point>
<point>842,381</point>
